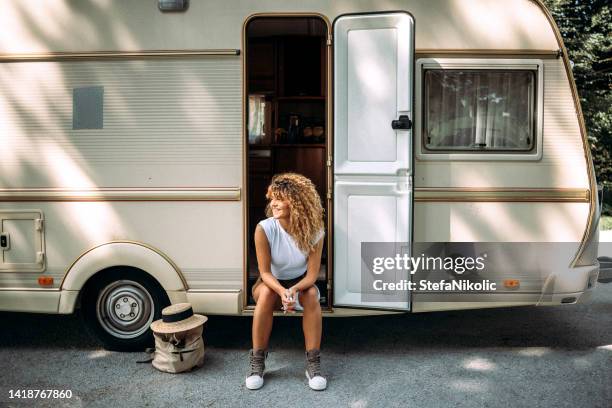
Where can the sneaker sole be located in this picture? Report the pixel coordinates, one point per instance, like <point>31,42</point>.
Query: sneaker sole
<point>311,387</point>
<point>255,388</point>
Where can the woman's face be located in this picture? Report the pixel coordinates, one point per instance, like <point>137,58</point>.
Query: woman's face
<point>280,208</point>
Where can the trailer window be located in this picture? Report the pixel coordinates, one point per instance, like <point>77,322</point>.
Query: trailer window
<point>479,110</point>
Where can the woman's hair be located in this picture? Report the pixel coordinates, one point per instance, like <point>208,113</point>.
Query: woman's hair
<point>306,211</point>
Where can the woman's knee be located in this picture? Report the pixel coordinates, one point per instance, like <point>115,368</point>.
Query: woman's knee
<point>266,297</point>
<point>309,297</point>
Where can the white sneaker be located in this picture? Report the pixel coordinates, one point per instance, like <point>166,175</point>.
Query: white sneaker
<point>313,370</point>
<point>317,382</point>
<point>254,380</point>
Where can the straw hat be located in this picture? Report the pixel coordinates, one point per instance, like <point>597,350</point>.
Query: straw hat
<point>177,318</point>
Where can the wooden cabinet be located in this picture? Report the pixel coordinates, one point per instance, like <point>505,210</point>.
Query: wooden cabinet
<point>264,162</point>
<point>261,63</point>
<point>299,66</point>
<point>307,160</point>
<point>290,72</point>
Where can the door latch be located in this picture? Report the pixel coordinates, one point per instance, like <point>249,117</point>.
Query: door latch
<point>403,123</point>
<point>5,242</point>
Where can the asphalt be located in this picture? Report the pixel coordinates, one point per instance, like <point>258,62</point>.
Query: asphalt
<point>520,357</point>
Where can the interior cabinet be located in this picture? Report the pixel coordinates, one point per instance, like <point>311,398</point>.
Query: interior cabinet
<point>303,159</point>
<point>289,72</point>
<point>299,66</point>
<point>262,72</point>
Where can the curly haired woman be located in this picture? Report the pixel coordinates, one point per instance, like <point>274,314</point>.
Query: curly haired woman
<point>289,244</point>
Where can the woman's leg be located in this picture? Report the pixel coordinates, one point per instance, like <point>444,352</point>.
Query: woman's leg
<point>312,337</point>
<point>266,301</point>
<point>312,320</point>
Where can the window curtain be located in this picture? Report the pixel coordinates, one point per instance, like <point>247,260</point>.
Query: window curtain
<point>479,109</point>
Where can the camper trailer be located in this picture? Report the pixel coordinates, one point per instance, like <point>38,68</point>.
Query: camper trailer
<point>138,139</point>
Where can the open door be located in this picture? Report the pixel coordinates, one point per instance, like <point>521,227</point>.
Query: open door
<point>286,130</point>
<point>373,193</point>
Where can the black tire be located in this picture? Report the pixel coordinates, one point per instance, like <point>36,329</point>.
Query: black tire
<point>118,306</point>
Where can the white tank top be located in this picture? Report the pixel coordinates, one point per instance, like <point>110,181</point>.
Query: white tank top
<point>288,261</point>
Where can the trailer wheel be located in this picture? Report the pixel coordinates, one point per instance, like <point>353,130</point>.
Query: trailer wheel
<point>120,305</point>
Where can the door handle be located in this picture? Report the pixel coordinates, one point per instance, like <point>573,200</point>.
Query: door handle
<point>5,241</point>
<point>402,123</point>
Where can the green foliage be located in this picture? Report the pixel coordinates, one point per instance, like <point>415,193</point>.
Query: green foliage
<point>586,28</point>
<point>605,223</point>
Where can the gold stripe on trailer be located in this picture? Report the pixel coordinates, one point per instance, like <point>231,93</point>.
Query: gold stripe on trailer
<point>121,194</point>
<point>462,194</point>
<point>97,55</point>
<point>489,53</point>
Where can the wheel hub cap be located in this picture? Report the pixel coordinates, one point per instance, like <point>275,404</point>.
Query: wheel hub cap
<point>125,309</point>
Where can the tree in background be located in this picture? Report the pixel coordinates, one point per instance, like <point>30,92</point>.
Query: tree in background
<point>586,28</point>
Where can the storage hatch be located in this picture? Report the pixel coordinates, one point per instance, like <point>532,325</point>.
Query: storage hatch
<point>22,241</point>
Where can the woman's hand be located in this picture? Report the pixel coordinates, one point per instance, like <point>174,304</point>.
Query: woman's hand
<point>288,299</point>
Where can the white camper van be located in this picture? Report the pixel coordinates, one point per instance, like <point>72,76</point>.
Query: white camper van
<point>137,140</point>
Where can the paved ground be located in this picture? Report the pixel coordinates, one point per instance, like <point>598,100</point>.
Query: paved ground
<point>544,357</point>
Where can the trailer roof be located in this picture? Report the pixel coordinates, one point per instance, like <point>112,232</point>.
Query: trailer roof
<point>119,25</point>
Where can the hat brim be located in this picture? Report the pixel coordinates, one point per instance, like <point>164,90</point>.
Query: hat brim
<point>159,326</point>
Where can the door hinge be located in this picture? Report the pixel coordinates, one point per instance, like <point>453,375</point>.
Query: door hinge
<point>329,194</point>
<point>329,161</point>
<point>330,39</point>
<point>38,224</point>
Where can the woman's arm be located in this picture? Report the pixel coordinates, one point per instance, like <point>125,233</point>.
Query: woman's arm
<point>312,269</point>
<point>262,248</point>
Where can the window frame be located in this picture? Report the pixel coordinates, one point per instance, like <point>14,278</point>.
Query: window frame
<point>472,64</point>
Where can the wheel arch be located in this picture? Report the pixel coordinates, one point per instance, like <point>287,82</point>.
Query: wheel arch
<point>111,255</point>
